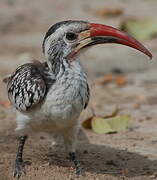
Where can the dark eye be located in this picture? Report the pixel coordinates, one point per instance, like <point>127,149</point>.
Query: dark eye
<point>71,36</point>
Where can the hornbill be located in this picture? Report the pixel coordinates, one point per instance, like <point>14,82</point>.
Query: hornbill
<point>50,96</point>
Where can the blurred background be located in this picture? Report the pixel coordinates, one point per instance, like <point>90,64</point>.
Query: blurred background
<point>119,77</point>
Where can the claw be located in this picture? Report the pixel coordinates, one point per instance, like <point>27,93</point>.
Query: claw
<point>19,169</point>
<point>78,169</point>
<point>79,172</point>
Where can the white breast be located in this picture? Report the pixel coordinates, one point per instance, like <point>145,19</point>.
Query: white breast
<point>64,101</point>
<point>67,97</point>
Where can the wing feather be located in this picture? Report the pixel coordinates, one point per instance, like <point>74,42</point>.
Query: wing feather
<point>26,86</point>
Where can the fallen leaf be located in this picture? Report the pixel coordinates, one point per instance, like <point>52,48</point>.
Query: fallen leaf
<point>5,103</point>
<point>111,162</point>
<point>120,80</point>
<point>113,114</point>
<point>6,79</point>
<point>105,79</point>
<point>136,106</point>
<point>125,172</point>
<point>141,29</point>
<point>109,12</point>
<point>87,123</point>
<point>100,125</point>
<point>119,123</point>
<point>141,98</point>
<point>107,125</point>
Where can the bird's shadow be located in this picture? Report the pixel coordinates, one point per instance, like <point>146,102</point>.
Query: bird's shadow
<point>97,159</point>
<point>102,159</point>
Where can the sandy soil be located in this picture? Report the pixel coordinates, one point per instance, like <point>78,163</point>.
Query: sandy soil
<point>131,154</point>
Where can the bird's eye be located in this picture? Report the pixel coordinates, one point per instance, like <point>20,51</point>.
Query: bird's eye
<point>71,36</point>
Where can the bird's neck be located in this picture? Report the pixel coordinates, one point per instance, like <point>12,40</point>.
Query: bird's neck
<point>54,66</point>
<point>60,66</point>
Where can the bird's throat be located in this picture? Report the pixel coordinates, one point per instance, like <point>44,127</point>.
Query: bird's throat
<point>54,65</point>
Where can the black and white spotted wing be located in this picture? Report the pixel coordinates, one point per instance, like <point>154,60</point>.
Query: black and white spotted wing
<point>26,86</point>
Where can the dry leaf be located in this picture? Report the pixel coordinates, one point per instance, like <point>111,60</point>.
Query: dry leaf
<point>5,104</point>
<point>125,172</point>
<point>100,125</point>
<point>141,98</point>
<point>87,123</point>
<point>6,78</point>
<point>141,29</point>
<point>120,80</point>
<point>113,114</point>
<point>108,124</point>
<point>119,122</point>
<point>105,79</point>
<point>136,106</point>
<point>109,12</point>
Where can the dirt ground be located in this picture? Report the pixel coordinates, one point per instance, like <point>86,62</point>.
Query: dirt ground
<point>130,154</point>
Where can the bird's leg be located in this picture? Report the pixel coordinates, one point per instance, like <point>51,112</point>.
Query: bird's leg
<point>69,137</point>
<point>77,164</point>
<point>19,167</point>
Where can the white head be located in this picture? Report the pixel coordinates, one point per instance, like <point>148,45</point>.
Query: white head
<point>66,39</point>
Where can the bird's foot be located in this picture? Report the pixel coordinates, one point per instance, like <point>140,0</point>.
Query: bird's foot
<point>79,170</point>
<point>19,169</point>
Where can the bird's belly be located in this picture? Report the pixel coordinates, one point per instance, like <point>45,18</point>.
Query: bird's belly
<point>63,106</point>
<point>60,110</point>
<point>50,118</point>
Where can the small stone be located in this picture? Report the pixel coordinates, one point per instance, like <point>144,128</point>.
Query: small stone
<point>154,176</point>
<point>111,162</point>
<point>42,137</point>
<point>85,152</point>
